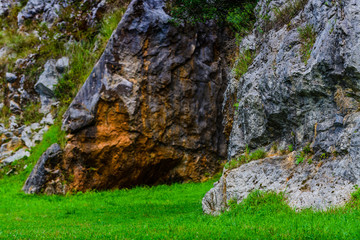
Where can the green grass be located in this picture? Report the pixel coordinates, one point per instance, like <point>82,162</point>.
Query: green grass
<point>243,62</point>
<point>245,158</point>
<point>163,212</point>
<point>307,36</point>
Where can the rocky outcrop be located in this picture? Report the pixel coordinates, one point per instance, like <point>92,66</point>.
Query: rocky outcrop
<point>150,112</point>
<point>48,81</point>
<point>49,10</point>
<point>285,100</point>
<point>42,173</point>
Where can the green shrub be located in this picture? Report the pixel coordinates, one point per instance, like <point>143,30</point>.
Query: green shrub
<point>307,36</point>
<point>238,14</point>
<point>257,154</point>
<point>291,148</point>
<point>300,158</point>
<point>245,158</point>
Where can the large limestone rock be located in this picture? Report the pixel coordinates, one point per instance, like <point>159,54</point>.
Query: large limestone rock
<point>150,111</point>
<point>283,100</point>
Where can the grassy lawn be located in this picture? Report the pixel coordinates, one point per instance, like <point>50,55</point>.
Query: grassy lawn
<point>171,212</point>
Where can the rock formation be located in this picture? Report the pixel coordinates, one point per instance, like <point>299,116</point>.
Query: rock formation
<point>150,112</point>
<point>42,174</point>
<point>286,100</point>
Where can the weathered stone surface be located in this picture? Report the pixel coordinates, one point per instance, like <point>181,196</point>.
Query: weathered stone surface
<point>10,77</point>
<point>62,64</point>
<point>41,173</point>
<point>16,156</point>
<point>48,79</point>
<point>14,107</point>
<point>150,112</point>
<point>48,9</point>
<point>283,100</point>
<point>4,7</point>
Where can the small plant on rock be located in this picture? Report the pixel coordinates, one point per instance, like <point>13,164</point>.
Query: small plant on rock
<point>307,36</point>
<point>243,63</point>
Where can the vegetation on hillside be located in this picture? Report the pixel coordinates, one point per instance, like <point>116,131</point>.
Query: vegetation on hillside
<point>238,14</point>
<point>54,43</point>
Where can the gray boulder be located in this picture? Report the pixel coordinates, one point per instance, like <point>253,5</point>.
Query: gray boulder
<point>48,79</point>
<point>4,7</point>
<point>10,77</point>
<point>14,107</point>
<point>16,156</point>
<point>62,64</point>
<point>40,173</point>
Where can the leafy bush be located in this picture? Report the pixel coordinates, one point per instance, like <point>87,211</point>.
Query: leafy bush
<point>257,154</point>
<point>291,148</point>
<point>239,14</point>
<point>242,159</point>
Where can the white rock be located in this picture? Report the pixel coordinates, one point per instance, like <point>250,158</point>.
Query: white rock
<point>48,120</point>
<point>10,77</point>
<point>17,156</point>
<point>62,64</point>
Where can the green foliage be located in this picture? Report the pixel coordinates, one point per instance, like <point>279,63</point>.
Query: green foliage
<point>110,23</point>
<point>257,154</point>
<point>31,113</point>
<point>304,154</point>
<point>242,19</point>
<point>247,157</point>
<point>238,14</point>
<point>258,199</point>
<point>83,58</point>
<point>291,148</point>
<point>5,115</point>
<point>243,62</point>
<point>307,36</point>
<point>300,158</point>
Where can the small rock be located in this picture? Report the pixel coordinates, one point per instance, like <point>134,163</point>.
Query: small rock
<point>62,64</point>
<point>14,107</point>
<point>3,52</point>
<point>48,79</point>
<point>35,126</point>
<point>39,136</point>
<point>338,121</point>
<point>10,77</point>
<point>48,120</point>
<point>26,137</point>
<point>17,156</point>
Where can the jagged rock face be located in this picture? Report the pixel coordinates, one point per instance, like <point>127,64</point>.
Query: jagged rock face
<point>285,101</point>
<point>150,112</point>
<point>42,173</point>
